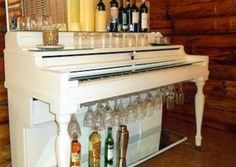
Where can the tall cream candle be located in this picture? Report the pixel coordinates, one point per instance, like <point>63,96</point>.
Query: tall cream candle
<point>73,15</point>
<point>87,10</point>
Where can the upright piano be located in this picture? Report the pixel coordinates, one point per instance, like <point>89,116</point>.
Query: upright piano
<point>45,87</point>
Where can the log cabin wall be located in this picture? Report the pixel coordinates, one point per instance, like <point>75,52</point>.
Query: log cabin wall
<point>208,27</point>
<point>4,128</point>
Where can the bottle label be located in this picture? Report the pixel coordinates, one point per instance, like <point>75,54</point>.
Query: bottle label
<point>75,157</point>
<point>110,152</point>
<point>96,150</point>
<point>135,17</point>
<point>114,13</point>
<point>144,20</point>
<point>124,18</point>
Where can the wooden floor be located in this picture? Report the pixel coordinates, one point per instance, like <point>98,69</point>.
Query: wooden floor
<point>218,149</point>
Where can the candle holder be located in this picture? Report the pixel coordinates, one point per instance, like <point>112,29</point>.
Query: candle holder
<point>50,35</point>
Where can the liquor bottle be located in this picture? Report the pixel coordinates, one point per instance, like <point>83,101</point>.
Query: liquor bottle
<point>109,148</point>
<point>94,149</point>
<point>75,152</point>
<point>114,16</point>
<point>129,13</point>
<point>134,17</point>
<point>143,17</point>
<point>123,17</point>
<point>100,20</point>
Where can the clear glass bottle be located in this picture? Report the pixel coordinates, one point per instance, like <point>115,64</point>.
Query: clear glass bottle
<point>94,148</point>
<point>109,149</point>
<point>143,17</point>
<point>100,20</point>
<point>75,152</point>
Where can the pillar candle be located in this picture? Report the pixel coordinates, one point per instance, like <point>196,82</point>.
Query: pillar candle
<point>73,15</point>
<point>87,10</point>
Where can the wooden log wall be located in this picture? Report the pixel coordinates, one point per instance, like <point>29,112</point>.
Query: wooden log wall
<point>4,127</point>
<point>208,27</point>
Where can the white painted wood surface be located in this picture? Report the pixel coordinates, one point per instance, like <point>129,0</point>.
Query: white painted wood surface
<point>45,76</point>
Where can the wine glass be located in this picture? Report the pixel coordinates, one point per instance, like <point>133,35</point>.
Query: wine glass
<point>149,102</point>
<point>170,97</point>
<point>74,127</point>
<point>107,113</point>
<point>89,118</point>
<point>180,94</point>
<point>117,120</point>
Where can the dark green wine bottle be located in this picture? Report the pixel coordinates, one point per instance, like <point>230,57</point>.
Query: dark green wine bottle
<point>109,149</point>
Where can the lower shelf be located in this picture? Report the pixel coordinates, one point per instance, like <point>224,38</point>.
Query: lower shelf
<point>149,146</point>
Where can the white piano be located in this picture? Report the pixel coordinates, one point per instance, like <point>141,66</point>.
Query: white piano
<point>46,87</point>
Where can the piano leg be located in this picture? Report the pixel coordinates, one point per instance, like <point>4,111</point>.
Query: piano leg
<point>199,108</point>
<point>63,141</point>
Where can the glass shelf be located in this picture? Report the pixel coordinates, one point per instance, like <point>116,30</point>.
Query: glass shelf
<point>148,146</point>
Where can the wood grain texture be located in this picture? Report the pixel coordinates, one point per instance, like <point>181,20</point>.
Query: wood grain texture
<point>203,9</point>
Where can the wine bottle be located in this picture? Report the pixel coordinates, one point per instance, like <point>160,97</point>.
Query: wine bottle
<point>134,17</point>
<point>94,149</point>
<point>123,17</point>
<point>114,16</point>
<point>75,152</point>
<point>100,20</point>
<point>143,17</point>
<point>109,148</point>
<point>129,14</point>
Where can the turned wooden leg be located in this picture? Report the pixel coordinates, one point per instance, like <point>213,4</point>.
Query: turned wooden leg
<point>199,108</point>
<point>63,141</point>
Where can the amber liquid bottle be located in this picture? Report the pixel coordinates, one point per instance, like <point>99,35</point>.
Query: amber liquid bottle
<point>75,152</point>
<point>94,149</point>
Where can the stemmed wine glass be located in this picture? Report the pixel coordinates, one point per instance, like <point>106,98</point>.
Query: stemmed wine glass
<point>89,118</point>
<point>73,127</point>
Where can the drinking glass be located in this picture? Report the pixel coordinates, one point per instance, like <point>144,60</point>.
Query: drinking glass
<point>149,103</point>
<point>117,119</point>
<point>130,112</point>
<point>74,127</point>
<point>107,113</point>
<point>130,40</point>
<point>99,122</point>
<point>104,40</point>
<point>142,40</point>
<point>158,100</point>
<point>170,97</point>
<point>89,118</point>
<point>117,40</point>
<point>180,94</point>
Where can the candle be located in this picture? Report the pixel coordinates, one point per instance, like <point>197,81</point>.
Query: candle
<point>73,14</point>
<point>87,9</point>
